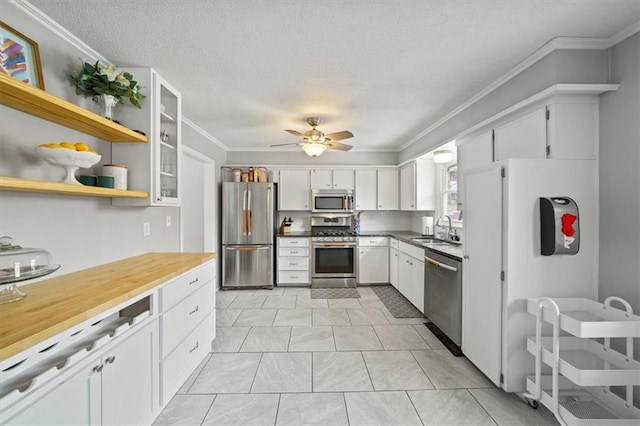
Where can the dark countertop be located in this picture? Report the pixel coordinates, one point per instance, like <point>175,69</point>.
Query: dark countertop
<point>452,250</point>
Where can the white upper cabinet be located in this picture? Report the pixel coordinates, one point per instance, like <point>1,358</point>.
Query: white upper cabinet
<point>366,189</point>
<point>387,191</point>
<point>525,137</point>
<point>293,190</point>
<point>572,130</point>
<point>418,185</point>
<point>332,179</point>
<point>408,186</point>
<point>155,166</point>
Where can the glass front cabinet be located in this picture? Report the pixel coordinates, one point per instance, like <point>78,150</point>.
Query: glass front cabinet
<point>154,167</point>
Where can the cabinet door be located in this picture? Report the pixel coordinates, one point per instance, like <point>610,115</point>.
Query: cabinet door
<point>572,130</point>
<point>366,186</point>
<point>321,179</point>
<point>128,379</point>
<point>387,191</point>
<point>393,267</point>
<point>293,191</point>
<point>74,400</point>
<point>408,187</point>
<point>481,288</point>
<point>525,137</point>
<point>343,179</point>
<point>425,184</point>
<point>373,265</point>
<point>417,284</point>
<point>404,274</point>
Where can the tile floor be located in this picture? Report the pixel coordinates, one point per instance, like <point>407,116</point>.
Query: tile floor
<point>282,358</point>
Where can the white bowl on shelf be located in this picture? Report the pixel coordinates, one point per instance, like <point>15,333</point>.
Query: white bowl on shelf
<point>68,159</point>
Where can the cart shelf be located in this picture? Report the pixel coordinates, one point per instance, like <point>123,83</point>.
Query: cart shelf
<point>586,406</point>
<point>588,318</point>
<point>588,363</point>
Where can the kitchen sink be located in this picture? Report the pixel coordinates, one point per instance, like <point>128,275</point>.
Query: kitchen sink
<point>426,240</point>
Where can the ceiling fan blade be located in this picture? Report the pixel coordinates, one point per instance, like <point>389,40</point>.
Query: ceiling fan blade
<point>338,136</point>
<point>284,144</point>
<point>296,133</point>
<point>339,146</point>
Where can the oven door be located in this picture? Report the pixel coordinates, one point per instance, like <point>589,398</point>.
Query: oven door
<point>334,264</point>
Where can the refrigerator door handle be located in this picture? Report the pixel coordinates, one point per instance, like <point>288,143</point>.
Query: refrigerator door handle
<point>244,212</point>
<point>249,213</point>
<point>247,248</point>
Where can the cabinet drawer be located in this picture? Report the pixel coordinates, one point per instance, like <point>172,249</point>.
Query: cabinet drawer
<point>413,251</point>
<point>393,243</point>
<point>299,277</point>
<point>293,252</point>
<point>293,264</point>
<point>184,316</point>
<point>372,241</point>
<point>293,242</point>
<point>180,363</point>
<point>180,287</point>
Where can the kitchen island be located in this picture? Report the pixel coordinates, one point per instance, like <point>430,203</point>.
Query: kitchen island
<point>126,318</point>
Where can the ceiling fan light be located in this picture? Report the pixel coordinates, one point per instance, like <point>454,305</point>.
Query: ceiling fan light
<point>444,156</point>
<point>314,149</point>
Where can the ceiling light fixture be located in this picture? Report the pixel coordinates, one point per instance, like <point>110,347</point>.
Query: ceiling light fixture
<point>314,149</point>
<point>440,157</point>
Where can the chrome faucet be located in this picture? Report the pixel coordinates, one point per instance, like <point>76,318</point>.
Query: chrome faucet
<point>438,223</point>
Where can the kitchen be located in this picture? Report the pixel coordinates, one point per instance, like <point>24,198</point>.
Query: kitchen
<point>73,227</point>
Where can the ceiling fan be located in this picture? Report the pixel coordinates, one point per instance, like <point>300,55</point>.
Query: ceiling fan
<point>316,142</point>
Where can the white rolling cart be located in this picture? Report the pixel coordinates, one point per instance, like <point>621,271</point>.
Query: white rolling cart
<point>582,368</point>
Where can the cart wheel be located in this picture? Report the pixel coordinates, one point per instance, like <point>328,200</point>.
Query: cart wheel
<point>533,403</point>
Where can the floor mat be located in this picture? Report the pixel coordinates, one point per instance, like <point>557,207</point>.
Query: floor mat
<point>395,302</point>
<point>334,293</point>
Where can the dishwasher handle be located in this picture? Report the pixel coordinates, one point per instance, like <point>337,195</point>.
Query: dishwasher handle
<point>439,264</point>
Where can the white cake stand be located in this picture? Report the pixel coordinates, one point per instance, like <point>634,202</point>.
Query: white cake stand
<point>69,160</point>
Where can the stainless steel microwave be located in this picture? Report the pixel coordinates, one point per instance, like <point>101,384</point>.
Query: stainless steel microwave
<point>332,200</point>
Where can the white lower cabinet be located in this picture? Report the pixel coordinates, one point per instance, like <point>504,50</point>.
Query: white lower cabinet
<point>119,367</point>
<point>187,326</point>
<point>411,274</point>
<point>293,261</point>
<point>394,260</point>
<point>117,387</point>
<point>373,260</point>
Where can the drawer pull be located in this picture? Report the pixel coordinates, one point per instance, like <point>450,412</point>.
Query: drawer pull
<point>98,368</point>
<point>293,242</point>
<point>194,281</point>
<point>294,277</point>
<point>294,251</point>
<point>194,348</point>
<point>194,311</point>
<point>110,360</point>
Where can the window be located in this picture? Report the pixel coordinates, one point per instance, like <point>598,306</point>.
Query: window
<point>449,191</point>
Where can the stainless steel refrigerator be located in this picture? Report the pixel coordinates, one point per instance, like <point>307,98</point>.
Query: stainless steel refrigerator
<point>247,234</point>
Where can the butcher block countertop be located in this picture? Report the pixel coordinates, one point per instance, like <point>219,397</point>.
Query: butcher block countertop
<point>55,305</point>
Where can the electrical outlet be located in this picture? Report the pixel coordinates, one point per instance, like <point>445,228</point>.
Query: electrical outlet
<point>146,228</point>
<point>168,219</point>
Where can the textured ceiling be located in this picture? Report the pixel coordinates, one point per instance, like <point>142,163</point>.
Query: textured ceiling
<point>385,70</point>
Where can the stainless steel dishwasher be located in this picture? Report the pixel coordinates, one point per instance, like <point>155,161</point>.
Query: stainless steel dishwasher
<point>443,294</point>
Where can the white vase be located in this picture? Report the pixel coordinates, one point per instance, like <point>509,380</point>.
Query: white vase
<point>107,103</point>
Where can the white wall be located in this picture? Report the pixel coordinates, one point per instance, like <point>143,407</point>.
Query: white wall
<point>620,176</point>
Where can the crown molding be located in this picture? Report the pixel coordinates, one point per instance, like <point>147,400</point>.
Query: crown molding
<point>39,16</point>
<point>557,43</point>
<point>292,149</point>
<point>204,133</point>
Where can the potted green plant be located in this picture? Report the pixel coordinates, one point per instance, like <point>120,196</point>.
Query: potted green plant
<point>107,86</point>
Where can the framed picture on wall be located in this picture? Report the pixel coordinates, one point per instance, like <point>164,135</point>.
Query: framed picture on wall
<point>19,57</point>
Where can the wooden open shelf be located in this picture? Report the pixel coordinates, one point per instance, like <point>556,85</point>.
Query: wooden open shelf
<point>31,100</point>
<point>26,185</point>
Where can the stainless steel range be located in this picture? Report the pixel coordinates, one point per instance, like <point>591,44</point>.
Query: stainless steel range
<point>334,254</point>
